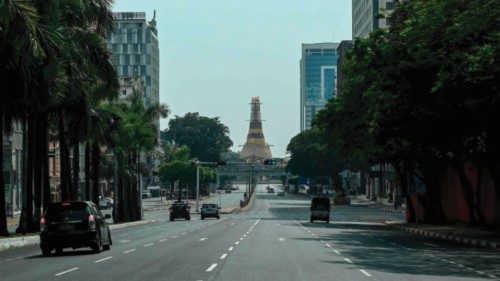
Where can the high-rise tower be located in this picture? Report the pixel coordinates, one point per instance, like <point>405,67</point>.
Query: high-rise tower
<point>256,147</point>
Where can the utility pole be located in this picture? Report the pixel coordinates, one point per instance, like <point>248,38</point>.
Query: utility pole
<point>197,185</point>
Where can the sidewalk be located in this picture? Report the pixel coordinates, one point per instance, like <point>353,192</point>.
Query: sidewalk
<point>378,206</point>
<point>489,238</point>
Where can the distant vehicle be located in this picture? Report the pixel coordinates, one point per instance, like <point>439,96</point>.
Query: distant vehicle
<point>210,210</point>
<point>74,225</point>
<point>146,194</point>
<point>281,193</point>
<point>270,190</point>
<point>228,190</point>
<point>320,209</point>
<point>179,210</point>
<point>105,203</point>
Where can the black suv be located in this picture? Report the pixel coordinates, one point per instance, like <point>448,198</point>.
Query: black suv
<point>74,225</point>
<point>179,210</point>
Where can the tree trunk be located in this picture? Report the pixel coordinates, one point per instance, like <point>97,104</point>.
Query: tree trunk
<point>23,224</point>
<point>66,189</point>
<point>29,174</point>
<point>3,217</point>
<point>76,171</point>
<point>96,159</point>
<point>87,170</point>
<point>469,196</point>
<point>402,172</point>
<point>44,146</point>
<point>37,169</point>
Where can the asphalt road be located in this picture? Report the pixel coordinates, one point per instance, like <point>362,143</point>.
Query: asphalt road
<point>272,241</point>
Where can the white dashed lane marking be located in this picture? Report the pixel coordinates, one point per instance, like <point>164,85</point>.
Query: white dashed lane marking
<point>211,267</point>
<point>66,271</point>
<point>101,260</point>
<point>348,260</point>
<point>223,256</point>
<point>128,251</point>
<point>203,239</point>
<point>230,248</point>
<point>365,273</point>
<point>281,239</point>
<point>150,244</point>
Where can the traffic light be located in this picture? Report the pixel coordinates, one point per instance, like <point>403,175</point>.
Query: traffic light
<point>270,162</point>
<point>219,163</point>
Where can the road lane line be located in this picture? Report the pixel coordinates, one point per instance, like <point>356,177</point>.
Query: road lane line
<point>203,239</point>
<point>429,244</point>
<point>163,240</point>
<point>124,235</point>
<point>184,233</point>
<point>101,260</point>
<point>211,267</point>
<point>394,244</point>
<point>241,238</point>
<point>223,256</point>
<point>231,248</point>
<point>348,260</point>
<point>131,250</point>
<point>336,252</point>
<point>150,244</point>
<point>124,241</point>
<point>244,235</point>
<point>281,239</point>
<point>64,272</point>
<point>365,273</point>
<point>237,242</point>
<point>174,236</point>
<point>328,245</point>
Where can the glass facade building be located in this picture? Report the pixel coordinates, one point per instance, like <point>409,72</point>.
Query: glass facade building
<point>134,46</point>
<point>318,78</point>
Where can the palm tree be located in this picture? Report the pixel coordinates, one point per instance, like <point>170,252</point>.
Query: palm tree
<point>20,37</point>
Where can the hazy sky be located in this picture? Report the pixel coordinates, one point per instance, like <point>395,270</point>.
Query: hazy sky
<point>216,54</point>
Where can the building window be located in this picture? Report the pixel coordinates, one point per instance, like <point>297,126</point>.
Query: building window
<point>127,59</point>
<point>137,59</point>
<point>135,48</point>
<point>125,48</point>
<point>125,70</point>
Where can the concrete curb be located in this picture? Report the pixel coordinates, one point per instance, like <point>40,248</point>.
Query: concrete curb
<point>250,204</point>
<point>229,210</point>
<point>17,242</point>
<point>449,237</point>
<point>23,241</point>
<point>129,224</point>
<point>388,210</point>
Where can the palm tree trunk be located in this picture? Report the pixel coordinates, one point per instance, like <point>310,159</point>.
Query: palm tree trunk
<point>44,147</point>
<point>76,170</point>
<point>22,227</point>
<point>3,217</point>
<point>66,190</point>
<point>37,169</point>
<point>87,170</point>
<point>96,158</point>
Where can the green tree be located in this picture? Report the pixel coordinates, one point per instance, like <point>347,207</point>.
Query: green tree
<point>207,138</point>
<point>312,157</point>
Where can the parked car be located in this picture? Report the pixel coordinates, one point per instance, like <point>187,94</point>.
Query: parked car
<point>210,210</point>
<point>146,194</point>
<point>179,210</point>
<point>270,190</point>
<point>74,225</point>
<point>281,193</point>
<point>228,190</point>
<point>105,203</point>
<point>320,209</point>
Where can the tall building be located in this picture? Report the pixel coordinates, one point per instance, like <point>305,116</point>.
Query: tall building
<point>134,46</point>
<point>368,15</point>
<point>344,46</point>
<point>318,78</point>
